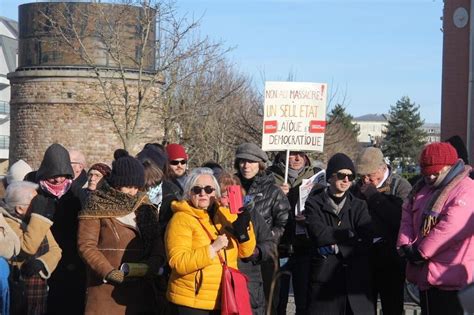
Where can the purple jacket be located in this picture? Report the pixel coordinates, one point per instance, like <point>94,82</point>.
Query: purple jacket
<point>449,246</point>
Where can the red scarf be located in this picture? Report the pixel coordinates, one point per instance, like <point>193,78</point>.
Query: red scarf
<point>56,190</point>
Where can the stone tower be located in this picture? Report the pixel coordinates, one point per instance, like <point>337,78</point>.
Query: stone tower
<point>66,93</point>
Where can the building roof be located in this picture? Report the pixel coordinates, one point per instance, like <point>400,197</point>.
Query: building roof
<point>11,25</point>
<point>372,117</point>
<point>9,44</point>
<point>431,125</point>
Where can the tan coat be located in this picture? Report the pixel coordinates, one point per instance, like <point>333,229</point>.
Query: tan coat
<point>9,241</point>
<point>31,236</point>
<point>104,243</point>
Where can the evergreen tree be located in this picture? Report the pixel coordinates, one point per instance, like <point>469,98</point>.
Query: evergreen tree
<point>404,137</point>
<point>338,114</point>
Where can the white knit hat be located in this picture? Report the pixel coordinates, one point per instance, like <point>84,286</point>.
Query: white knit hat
<point>18,171</point>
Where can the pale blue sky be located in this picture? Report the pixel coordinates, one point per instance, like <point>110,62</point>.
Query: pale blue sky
<point>376,51</point>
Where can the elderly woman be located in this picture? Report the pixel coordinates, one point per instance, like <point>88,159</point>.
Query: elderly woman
<point>436,230</point>
<point>39,253</point>
<point>119,225</point>
<point>197,234</point>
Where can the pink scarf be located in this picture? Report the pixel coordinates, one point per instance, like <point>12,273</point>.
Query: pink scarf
<point>56,190</point>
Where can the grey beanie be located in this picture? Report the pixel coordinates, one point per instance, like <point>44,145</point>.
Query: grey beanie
<point>250,151</point>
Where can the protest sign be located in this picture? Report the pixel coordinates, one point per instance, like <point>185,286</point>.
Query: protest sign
<point>294,116</point>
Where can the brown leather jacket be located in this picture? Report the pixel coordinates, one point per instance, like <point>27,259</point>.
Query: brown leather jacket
<point>106,239</point>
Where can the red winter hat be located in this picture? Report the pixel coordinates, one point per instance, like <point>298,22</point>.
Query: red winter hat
<point>435,156</point>
<point>176,151</point>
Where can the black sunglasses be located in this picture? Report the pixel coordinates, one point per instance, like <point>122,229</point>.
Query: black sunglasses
<point>341,176</point>
<point>197,189</point>
<point>176,162</point>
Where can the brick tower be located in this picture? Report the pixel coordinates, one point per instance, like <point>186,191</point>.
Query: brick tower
<point>55,94</point>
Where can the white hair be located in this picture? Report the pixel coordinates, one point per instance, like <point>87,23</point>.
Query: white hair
<point>77,156</point>
<point>19,193</point>
<point>194,176</point>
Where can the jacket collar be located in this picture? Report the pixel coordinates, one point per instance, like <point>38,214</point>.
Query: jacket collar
<point>322,199</point>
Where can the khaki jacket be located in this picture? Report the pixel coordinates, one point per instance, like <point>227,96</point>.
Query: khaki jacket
<point>31,236</point>
<point>9,241</point>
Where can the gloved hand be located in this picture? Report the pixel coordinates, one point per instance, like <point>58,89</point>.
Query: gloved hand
<point>344,234</point>
<point>412,254</point>
<point>31,267</point>
<point>255,257</point>
<point>326,250</point>
<point>240,226</point>
<point>368,190</point>
<point>43,206</point>
<point>115,277</point>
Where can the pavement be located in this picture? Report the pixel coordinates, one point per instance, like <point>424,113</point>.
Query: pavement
<point>410,308</point>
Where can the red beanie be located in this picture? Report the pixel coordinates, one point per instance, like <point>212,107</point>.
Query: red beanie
<point>435,156</point>
<point>176,151</point>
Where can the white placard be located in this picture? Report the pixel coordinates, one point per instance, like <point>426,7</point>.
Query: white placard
<point>294,116</point>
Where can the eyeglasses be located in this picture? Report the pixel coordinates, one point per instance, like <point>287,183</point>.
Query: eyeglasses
<point>341,176</point>
<point>176,162</point>
<point>197,190</point>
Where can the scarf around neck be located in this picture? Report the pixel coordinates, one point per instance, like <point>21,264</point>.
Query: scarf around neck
<point>156,194</point>
<point>435,204</point>
<point>56,190</point>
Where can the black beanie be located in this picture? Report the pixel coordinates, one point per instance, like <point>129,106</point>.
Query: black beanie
<point>338,162</point>
<point>126,171</point>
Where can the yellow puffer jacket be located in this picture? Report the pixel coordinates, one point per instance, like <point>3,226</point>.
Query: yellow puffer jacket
<point>195,277</point>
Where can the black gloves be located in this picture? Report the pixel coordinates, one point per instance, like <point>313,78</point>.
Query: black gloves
<point>368,190</point>
<point>31,267</point>
<point>255,257</point>
<point>115,277</point>
<point>43,206</point>
<point>412,254</point>
<point>343,235</point>
<point>240,226</point>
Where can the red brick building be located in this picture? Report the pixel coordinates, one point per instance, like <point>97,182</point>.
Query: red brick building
<point>457,95</point>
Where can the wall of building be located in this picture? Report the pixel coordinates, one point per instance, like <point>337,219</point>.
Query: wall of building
<point>455,77</point>
<point>48,106</point>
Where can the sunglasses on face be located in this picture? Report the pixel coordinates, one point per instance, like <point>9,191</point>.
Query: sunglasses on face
<point>176,162</point>
<point>341,176</point>
<point>197,190</point>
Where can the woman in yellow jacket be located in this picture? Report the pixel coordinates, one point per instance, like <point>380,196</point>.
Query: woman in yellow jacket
<point>194,286</point>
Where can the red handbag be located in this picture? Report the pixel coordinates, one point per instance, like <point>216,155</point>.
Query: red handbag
<point>235,298</point>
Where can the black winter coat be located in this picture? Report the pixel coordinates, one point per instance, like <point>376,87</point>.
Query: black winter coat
<point>290,243</point>
<point>67,283</point>
<point>270,202</point>
<point>345,275</point>
<point>385,207</point>
<point>171,192</point>
<point>251,267</point>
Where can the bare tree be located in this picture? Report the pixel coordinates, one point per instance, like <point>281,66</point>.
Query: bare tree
<point>143,56</point>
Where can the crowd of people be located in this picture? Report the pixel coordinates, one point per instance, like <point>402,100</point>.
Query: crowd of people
<point>146,234</point>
